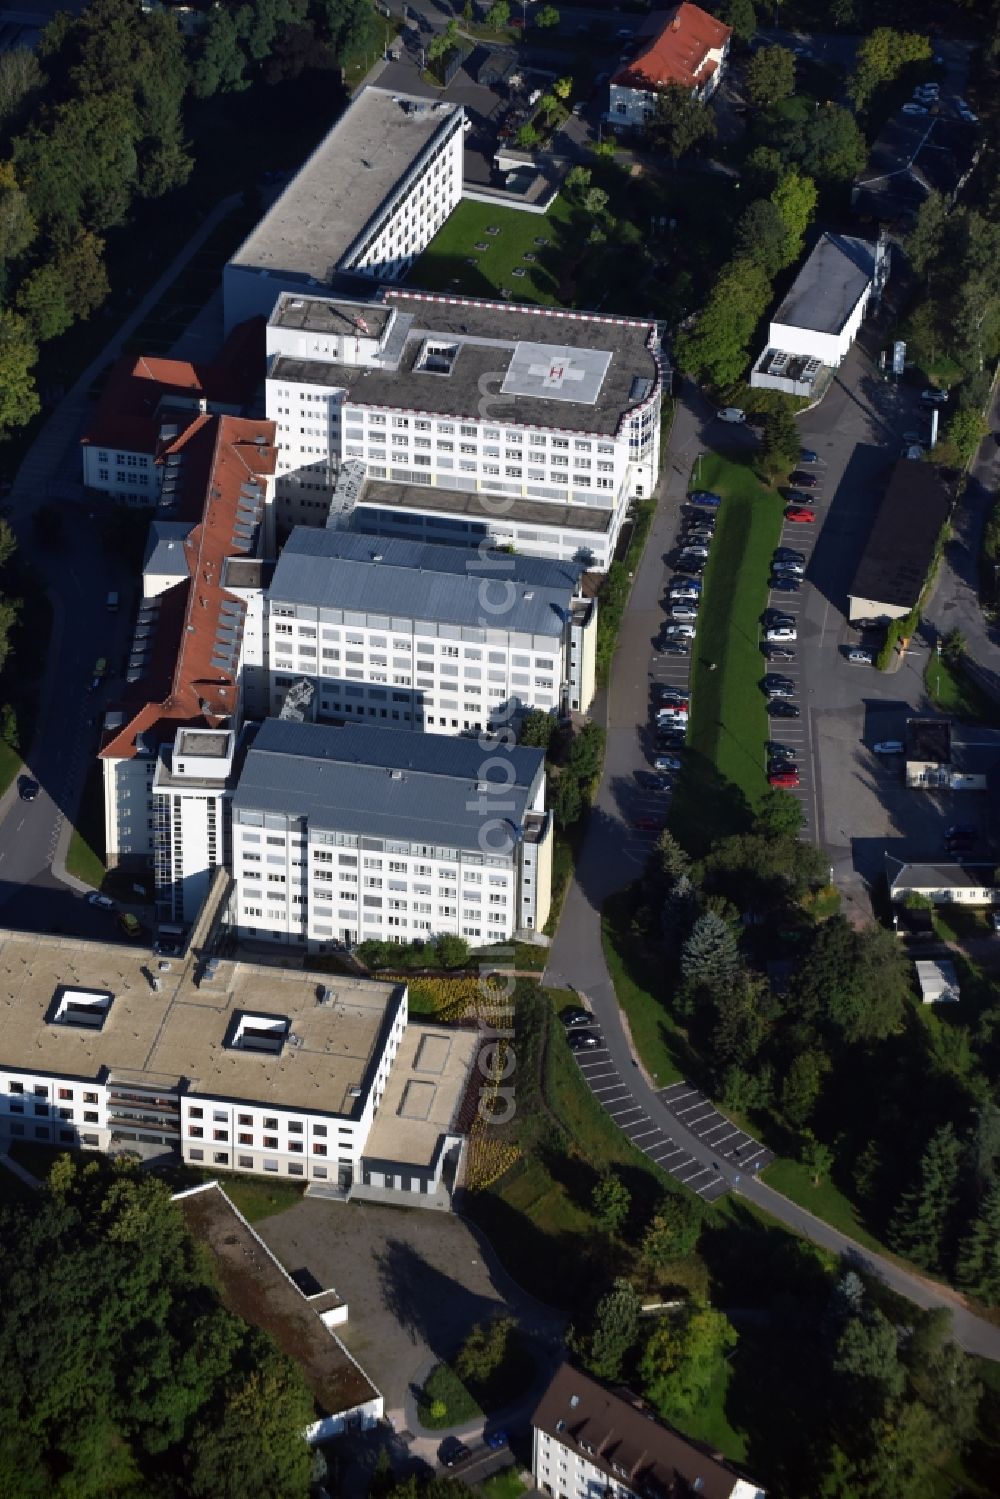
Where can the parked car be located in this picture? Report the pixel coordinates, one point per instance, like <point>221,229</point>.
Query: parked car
<point>915,109</point>
<point>680,632</point>
<point>129,924</point>
<point>583,1040</point>
<point>667,762</point>
<point>575,1015</point>
<point>774,619</point>
<point>675,648</point>
<point>859,657</point>
<point>103,901</point>
<point>785,585</point>
<point>933,397</point>
<point>780,653</point>
<point>684,611</point>
<point>704,499</point>
<point>495,1440</point>
<point>808,456</point>
<point>799,516</point>
<point>785,778</point>
<point>780,765</point>
<point>888,747</point>
<point>781,632</point>
<point>452,1451</point>
<point>789,554</point>
<point>779,751</point>
<point>695,550</point>
<point>676,695</point>
<point>27,788</point>
<point>803,480</point>
<point>786,691</point>
<point>731,414</point>
<point>793,569</point>
<point>650,781</point>
<point>798,497</point>
<point>779,708</point>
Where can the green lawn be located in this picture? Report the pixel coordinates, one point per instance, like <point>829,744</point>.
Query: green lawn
<point>444,1384</point>
<point>84,859</point>
<point>723,773</point>
<point>637,975</point>
<point>952,690</point>
<point>793,1180</point>
<point>505,1485</point>
<point>444,264</point>
<point>538,1215</point>
<point>10,765</point>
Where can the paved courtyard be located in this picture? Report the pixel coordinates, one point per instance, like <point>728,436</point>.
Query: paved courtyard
<point>414,1281</point>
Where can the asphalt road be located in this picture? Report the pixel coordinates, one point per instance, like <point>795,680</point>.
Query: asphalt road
<point>78,576</point>
<point>613,854</point>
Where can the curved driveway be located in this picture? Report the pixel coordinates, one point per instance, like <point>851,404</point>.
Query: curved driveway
<point>613,855</point>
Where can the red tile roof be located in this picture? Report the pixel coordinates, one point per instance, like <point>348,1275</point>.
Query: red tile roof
<point>183,685</point>
<point>128,412</point>
<point>678,53</point>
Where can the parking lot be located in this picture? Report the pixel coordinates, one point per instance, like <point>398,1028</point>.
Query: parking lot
<point>648,1135</point>
<point>855,804</point>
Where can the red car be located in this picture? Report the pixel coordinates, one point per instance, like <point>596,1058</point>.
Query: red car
<point>795,513</point>
<point>649,824</point>
<point>786,778</point>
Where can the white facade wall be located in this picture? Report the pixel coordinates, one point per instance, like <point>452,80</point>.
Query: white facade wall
<point>386,246</point>
<point>414,212</point>
<point>128,811</point>
<point>318,428</point>
<point>566,1473</point>
<point>130,478</point>
<point>413,674</point>
<point>829,348</point>
<point>272,1140</point>
<point>53,1110</point>
<point>190,844</point>
<point>320,888</point>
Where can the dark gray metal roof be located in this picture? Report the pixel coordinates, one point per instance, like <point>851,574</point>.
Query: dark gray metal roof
<point>829,285</point>
<point>899,551</point>
<point>390,783</point>
<point>418,580</point>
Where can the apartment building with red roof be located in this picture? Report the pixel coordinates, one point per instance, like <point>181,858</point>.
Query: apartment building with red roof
<point>148,402</point>
<point>181,688</point>
<point>688,48</point>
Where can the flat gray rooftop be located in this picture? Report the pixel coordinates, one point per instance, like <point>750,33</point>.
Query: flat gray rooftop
<point>204,744</point>
<point>352,171</point>
<point>386,783</point>
<point>327,315</point>
<point>829,285</point>
<point>419,580</point>
<point>574,371</point>
<point>419,497</point>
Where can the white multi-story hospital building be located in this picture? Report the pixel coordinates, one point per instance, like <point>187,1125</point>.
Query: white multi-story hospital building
<point>372,195</point>
<point>419,636</point>
<point>342,835</point>
<point>447,419</point>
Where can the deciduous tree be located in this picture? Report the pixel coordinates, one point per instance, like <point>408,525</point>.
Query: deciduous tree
<point>674,1230</point>
<point>682,1357</point>
<point>613,1333</point>
<point>681,122</point>
<point>611,1201</point>
<point>770,76</point>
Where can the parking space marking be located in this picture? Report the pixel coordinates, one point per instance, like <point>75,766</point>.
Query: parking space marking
<point>609,1088</point>
<point>634,1109</point>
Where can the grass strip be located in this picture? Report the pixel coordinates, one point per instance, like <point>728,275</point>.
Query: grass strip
<point>723,774</point>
